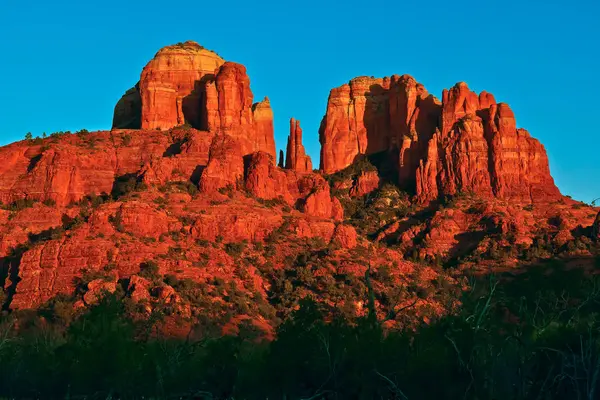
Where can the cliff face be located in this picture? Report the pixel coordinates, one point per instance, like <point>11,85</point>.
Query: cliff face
<point>479,149</point>
<point>171,85</point>
<point>356,122</point>
<point>188,84</point>
<point>230,109</point>
<point>465,143</point>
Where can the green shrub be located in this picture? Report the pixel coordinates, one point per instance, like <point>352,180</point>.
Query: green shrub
<point>20,204</point>
<point>235,249</point>
<point>149,270</point>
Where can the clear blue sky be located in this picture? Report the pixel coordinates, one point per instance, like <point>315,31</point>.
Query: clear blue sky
<point>65,63</point>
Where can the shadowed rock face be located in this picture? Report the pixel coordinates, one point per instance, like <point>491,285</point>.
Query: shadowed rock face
<point>465,143</point>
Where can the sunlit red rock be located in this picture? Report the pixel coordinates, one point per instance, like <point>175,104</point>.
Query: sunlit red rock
<point>139,288</point>
<point>234,224</point>
<point>225,165</point>
<point>265,180</point>
<point>519,164</point>
<point>96,289</point>
<point>345,236</point>
<point>356,122</point>
<point>320,203</point>
<point>188,84</point>
<point>296,158</point>
<point>171,85</point>
<point>230,109</point>
<point>466,143</point>
<point>364,183</point>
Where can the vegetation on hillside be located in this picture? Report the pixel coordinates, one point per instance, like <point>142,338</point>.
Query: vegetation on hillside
<point>535,335</point>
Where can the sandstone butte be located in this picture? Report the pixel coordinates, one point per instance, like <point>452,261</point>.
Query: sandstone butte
<point>464,143</point>
<point>190,166</point>
<point>188,84</point>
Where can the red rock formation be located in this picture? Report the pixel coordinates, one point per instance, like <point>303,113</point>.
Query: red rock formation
<point>519,164</point>
<point>181,161</point>
<point>477,147</point>
<point>266,181</point>
<point>345,236</point>
<point>128,111</point>
<point>225,165</point>
<point>68,168</point>
<point>320,203</point>
<point>486,155</point>
<point>356,122</point>
<point>236,224</point>
<point>414,116</point>
<point>596,228</point>
<point>264,139</point>
<point>96,289</point>
<point>170,85</point>
<point>281,163</point>
<point>296,158</point>
<point>313,228</point>
<point>234,99</point>
<point>459,102</point>
<point>229,109</point>
<point>467,144</point>
<point>139,288</point>
<point>364,183</point>
<point>188,84</point>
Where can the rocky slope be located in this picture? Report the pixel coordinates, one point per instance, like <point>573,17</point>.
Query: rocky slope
<point>192,213</point>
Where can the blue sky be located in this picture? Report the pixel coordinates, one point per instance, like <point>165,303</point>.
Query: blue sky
<point>66,63</point>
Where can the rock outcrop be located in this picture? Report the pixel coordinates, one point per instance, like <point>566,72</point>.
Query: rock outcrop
<point>229,109</point>
<point>596,228</point>
<point>345,236</point>
<point>266,181</point>
<point>188,84</point>
<point>67,168</point>
<point>296,158</point>
<point>356,122</point>
<point>364,183</point>
<point>466,143</point>
<point>320,203</point>
<point>225,165</point>
<point>171,85</point>
<point>128,111</point>
<point>481,150</point>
